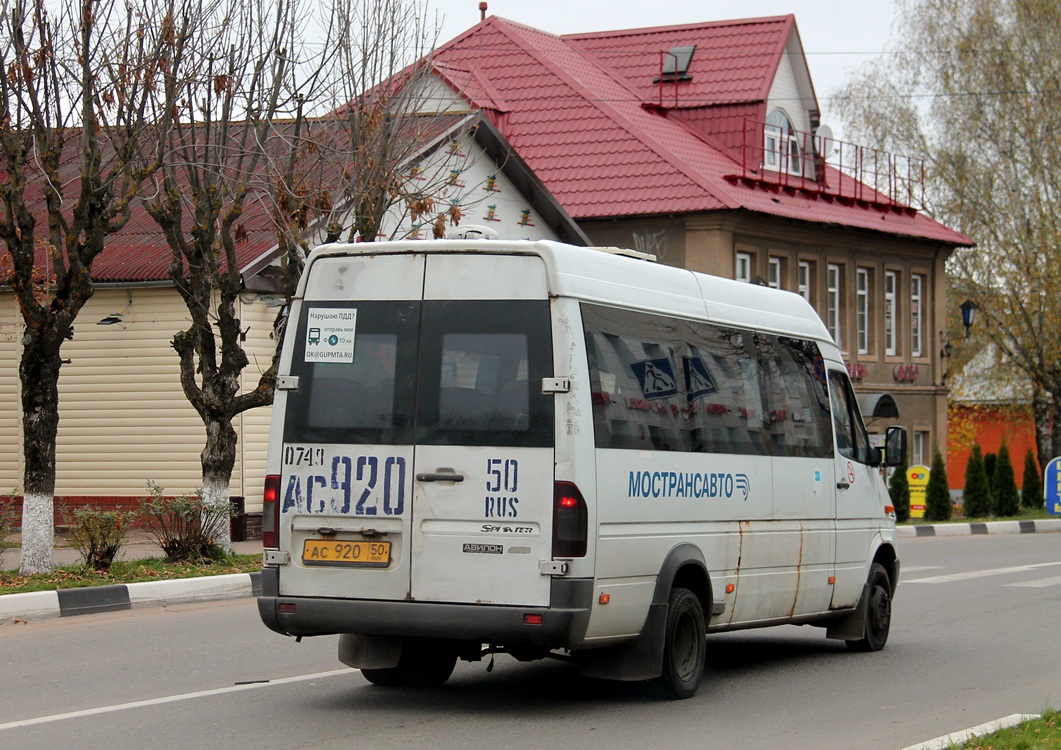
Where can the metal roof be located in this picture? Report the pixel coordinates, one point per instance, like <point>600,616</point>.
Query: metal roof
<point>583,112</point>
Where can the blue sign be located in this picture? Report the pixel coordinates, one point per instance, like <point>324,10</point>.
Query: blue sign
<point>656,378</point>
<point>1052,485</point>
<point>698,381</point>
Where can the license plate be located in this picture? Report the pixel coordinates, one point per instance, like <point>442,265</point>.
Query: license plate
<point>328,552</point>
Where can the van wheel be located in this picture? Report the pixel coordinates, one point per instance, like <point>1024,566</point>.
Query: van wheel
<point>878,612</point>
<point>423,663</point>
<point>684,646</point>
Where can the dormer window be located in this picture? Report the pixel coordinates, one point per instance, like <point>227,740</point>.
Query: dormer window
<point>781,145</point>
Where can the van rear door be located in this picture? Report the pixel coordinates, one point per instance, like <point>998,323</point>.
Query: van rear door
<point>483,480</point>
<point>418,446</point>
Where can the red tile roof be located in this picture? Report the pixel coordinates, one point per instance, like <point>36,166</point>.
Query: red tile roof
<point>579,112</point>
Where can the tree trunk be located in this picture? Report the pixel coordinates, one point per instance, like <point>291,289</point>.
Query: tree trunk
<point>39,373</point>
<point>218,459</point>
<point>1046,411</point>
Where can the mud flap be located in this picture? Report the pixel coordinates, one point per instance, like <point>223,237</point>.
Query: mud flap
<point>639,660</point>
<point>369,652</point>
<point>851,627</point>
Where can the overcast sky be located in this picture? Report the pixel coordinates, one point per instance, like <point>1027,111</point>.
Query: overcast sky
<point>837,35</point>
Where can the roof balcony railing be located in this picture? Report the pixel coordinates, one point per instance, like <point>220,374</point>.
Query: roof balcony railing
<point>775,157</point>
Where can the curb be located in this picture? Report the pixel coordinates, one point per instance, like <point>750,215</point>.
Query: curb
<point>40,605</point>
<point>1042,525</point>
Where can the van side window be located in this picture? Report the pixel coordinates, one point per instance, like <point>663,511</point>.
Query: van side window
<point>851,438</point>
<point>665,384</point>
<point>798,400</point>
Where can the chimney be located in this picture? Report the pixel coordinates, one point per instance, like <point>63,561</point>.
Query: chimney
<point>482,11</point>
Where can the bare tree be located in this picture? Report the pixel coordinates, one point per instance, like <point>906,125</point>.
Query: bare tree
<point>386,116</point>
<point>81,86</point>
<point>240,119</point>
<point>973,87</point>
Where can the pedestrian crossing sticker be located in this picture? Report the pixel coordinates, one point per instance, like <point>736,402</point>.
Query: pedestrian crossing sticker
<point>698,380</point>
<point>330,334</point>
<point>656,378</point>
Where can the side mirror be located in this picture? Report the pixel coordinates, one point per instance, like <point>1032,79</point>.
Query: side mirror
<point>894,446</point>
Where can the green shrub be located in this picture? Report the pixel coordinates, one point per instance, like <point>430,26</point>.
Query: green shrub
<point>97,534</point>
<point>976,497</point>
<point>185,528</point>
<point>899,491</point>
<point>1004,486</point>
<point>1031,494</point>
<point>937,497</point>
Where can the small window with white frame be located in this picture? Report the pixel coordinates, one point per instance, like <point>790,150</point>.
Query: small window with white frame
<point>782,149</point>
<point>744,267</point>
<point>917,290</point>
<point>804,279</point>
<point>773,273</point>
<point>891,289</point>
<point>862,292</point>
<point>832,300</point>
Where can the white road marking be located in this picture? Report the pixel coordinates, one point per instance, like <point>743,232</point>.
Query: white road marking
<point>973,574</point>
<point>1042,583</point>
<point>170,699</point>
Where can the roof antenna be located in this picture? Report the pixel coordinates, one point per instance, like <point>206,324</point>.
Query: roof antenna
<point>482,11</point>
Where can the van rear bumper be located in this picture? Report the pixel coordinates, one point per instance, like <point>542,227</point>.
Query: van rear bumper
<point>563,623</point>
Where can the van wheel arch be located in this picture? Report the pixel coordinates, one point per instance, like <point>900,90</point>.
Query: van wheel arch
<point>642,659</point>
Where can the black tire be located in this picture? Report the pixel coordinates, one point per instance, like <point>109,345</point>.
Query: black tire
<point>878,612</point>
<point>684,646</point>
<point>423,663</point>
<point>383,677</point>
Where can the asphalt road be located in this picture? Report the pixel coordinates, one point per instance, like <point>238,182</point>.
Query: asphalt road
<point>976,636</point>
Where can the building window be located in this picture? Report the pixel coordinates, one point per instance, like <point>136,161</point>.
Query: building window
<point>781,145</point>
<point>920,444</point>
<point>862,309</point>
<point>917,285</point>
<point>891,283</point>
<point>832,301</point>
<point>773,273</point>
<point>804,279</point>
<point>744,267</point>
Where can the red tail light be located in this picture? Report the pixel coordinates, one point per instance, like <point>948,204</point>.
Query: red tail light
<point>569,521</point>
<point>271,512</point>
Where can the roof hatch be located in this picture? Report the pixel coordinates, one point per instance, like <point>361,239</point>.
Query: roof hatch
<point>674,64</point>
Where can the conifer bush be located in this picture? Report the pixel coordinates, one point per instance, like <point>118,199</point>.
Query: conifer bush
<point>899,491</point>
<point>937,498</point>
<point>1004,486</point>
<point>976,498</point>
<point>1031,494</point>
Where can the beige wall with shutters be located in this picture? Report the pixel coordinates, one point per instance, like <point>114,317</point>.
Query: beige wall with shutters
<point>123,418</point>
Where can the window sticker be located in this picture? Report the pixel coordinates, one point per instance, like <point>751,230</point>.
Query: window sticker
<point>698,381</point>
<point>330,334</point>
<point>656,378</point>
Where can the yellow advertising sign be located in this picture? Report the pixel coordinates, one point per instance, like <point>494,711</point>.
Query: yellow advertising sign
<point>917,478</point>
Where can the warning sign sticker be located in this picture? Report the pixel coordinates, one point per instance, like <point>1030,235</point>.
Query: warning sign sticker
<point>656,378</point>
<point>698,381</point>
<point>330,334</point>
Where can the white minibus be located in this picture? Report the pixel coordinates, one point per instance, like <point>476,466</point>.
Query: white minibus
<point>483,446</point>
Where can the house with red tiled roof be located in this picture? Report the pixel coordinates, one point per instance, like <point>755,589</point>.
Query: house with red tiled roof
<point>702,144</point>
